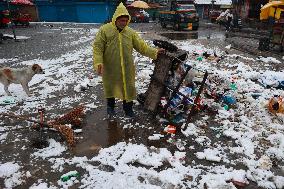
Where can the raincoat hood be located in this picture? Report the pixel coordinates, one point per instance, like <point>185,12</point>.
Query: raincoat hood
<point>120,11</point>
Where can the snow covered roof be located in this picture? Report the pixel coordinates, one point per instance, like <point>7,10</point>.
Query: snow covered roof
<point>217,2</point>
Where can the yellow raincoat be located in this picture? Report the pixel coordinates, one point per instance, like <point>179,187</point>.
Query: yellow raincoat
<point>113,49</point>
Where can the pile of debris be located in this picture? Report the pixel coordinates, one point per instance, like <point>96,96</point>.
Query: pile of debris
<point>178,89</point>
<point>64,124</point>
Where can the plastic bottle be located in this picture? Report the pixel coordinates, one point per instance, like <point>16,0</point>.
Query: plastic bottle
<point>68,176</point>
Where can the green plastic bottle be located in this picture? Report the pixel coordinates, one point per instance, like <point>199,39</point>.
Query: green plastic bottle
<point>68,176</point>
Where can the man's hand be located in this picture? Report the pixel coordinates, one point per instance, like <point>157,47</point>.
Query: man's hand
<point>100,69</point>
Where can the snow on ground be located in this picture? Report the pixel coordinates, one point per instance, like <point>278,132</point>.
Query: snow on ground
<point>10,171</point>
<point>257,134</point>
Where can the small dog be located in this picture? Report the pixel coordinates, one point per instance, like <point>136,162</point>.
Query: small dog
<point>19,76</point>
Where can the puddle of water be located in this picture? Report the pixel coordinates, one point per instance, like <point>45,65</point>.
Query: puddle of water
<point>193,35</point>
<point>98,133</point>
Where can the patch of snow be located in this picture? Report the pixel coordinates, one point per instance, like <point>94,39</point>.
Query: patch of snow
<point>155,137</point>
<point>269,60</point>
<point>10,171</point>
<point>42,185</point>
<point>209,154</point>
<point>3,137</point>
<point>54,149</point>
<point>9,168</point>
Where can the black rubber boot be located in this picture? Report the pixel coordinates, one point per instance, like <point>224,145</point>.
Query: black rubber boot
<point>128,109</point>
<point>110,107</point>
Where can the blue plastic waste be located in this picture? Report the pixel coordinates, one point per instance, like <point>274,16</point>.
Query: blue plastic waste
<point>228,99</point>
<point>175,101</point>
<point>178,118</point>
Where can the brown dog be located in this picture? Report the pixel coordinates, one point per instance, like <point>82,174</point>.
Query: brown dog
<point>19,76</point>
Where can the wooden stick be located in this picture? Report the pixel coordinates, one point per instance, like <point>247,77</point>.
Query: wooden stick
<point>197,98</point>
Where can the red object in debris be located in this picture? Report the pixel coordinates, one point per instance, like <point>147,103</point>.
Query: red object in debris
<point>238,184</point>
<point>170,129</point>
<point>21,2</point>
<point>6,21</point>
<point>23,19</point>
<point>4,18</point>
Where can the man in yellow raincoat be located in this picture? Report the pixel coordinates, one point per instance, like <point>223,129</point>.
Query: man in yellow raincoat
<point>113,48</point>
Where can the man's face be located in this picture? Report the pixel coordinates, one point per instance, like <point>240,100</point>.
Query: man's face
<point>121,22</point>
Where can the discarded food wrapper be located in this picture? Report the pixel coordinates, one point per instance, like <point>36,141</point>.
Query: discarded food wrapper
<point>170,129</point>
<point>175,101</point>
<point>186,91</point>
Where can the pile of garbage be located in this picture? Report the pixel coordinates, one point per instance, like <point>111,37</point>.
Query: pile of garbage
<point>187,89</point>
<point>217,93</point>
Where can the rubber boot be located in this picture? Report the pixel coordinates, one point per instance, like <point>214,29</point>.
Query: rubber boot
<point>110,107</point>
<point>128,109</point>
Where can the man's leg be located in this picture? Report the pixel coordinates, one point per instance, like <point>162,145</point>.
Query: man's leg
<point>227,26</point>
<point>110,107</point>
<point>128,108</point>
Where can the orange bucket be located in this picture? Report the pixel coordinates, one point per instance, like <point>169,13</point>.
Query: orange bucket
<point>276,105</point>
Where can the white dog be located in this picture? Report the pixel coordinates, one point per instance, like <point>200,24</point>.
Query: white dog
<point>19,76</point>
